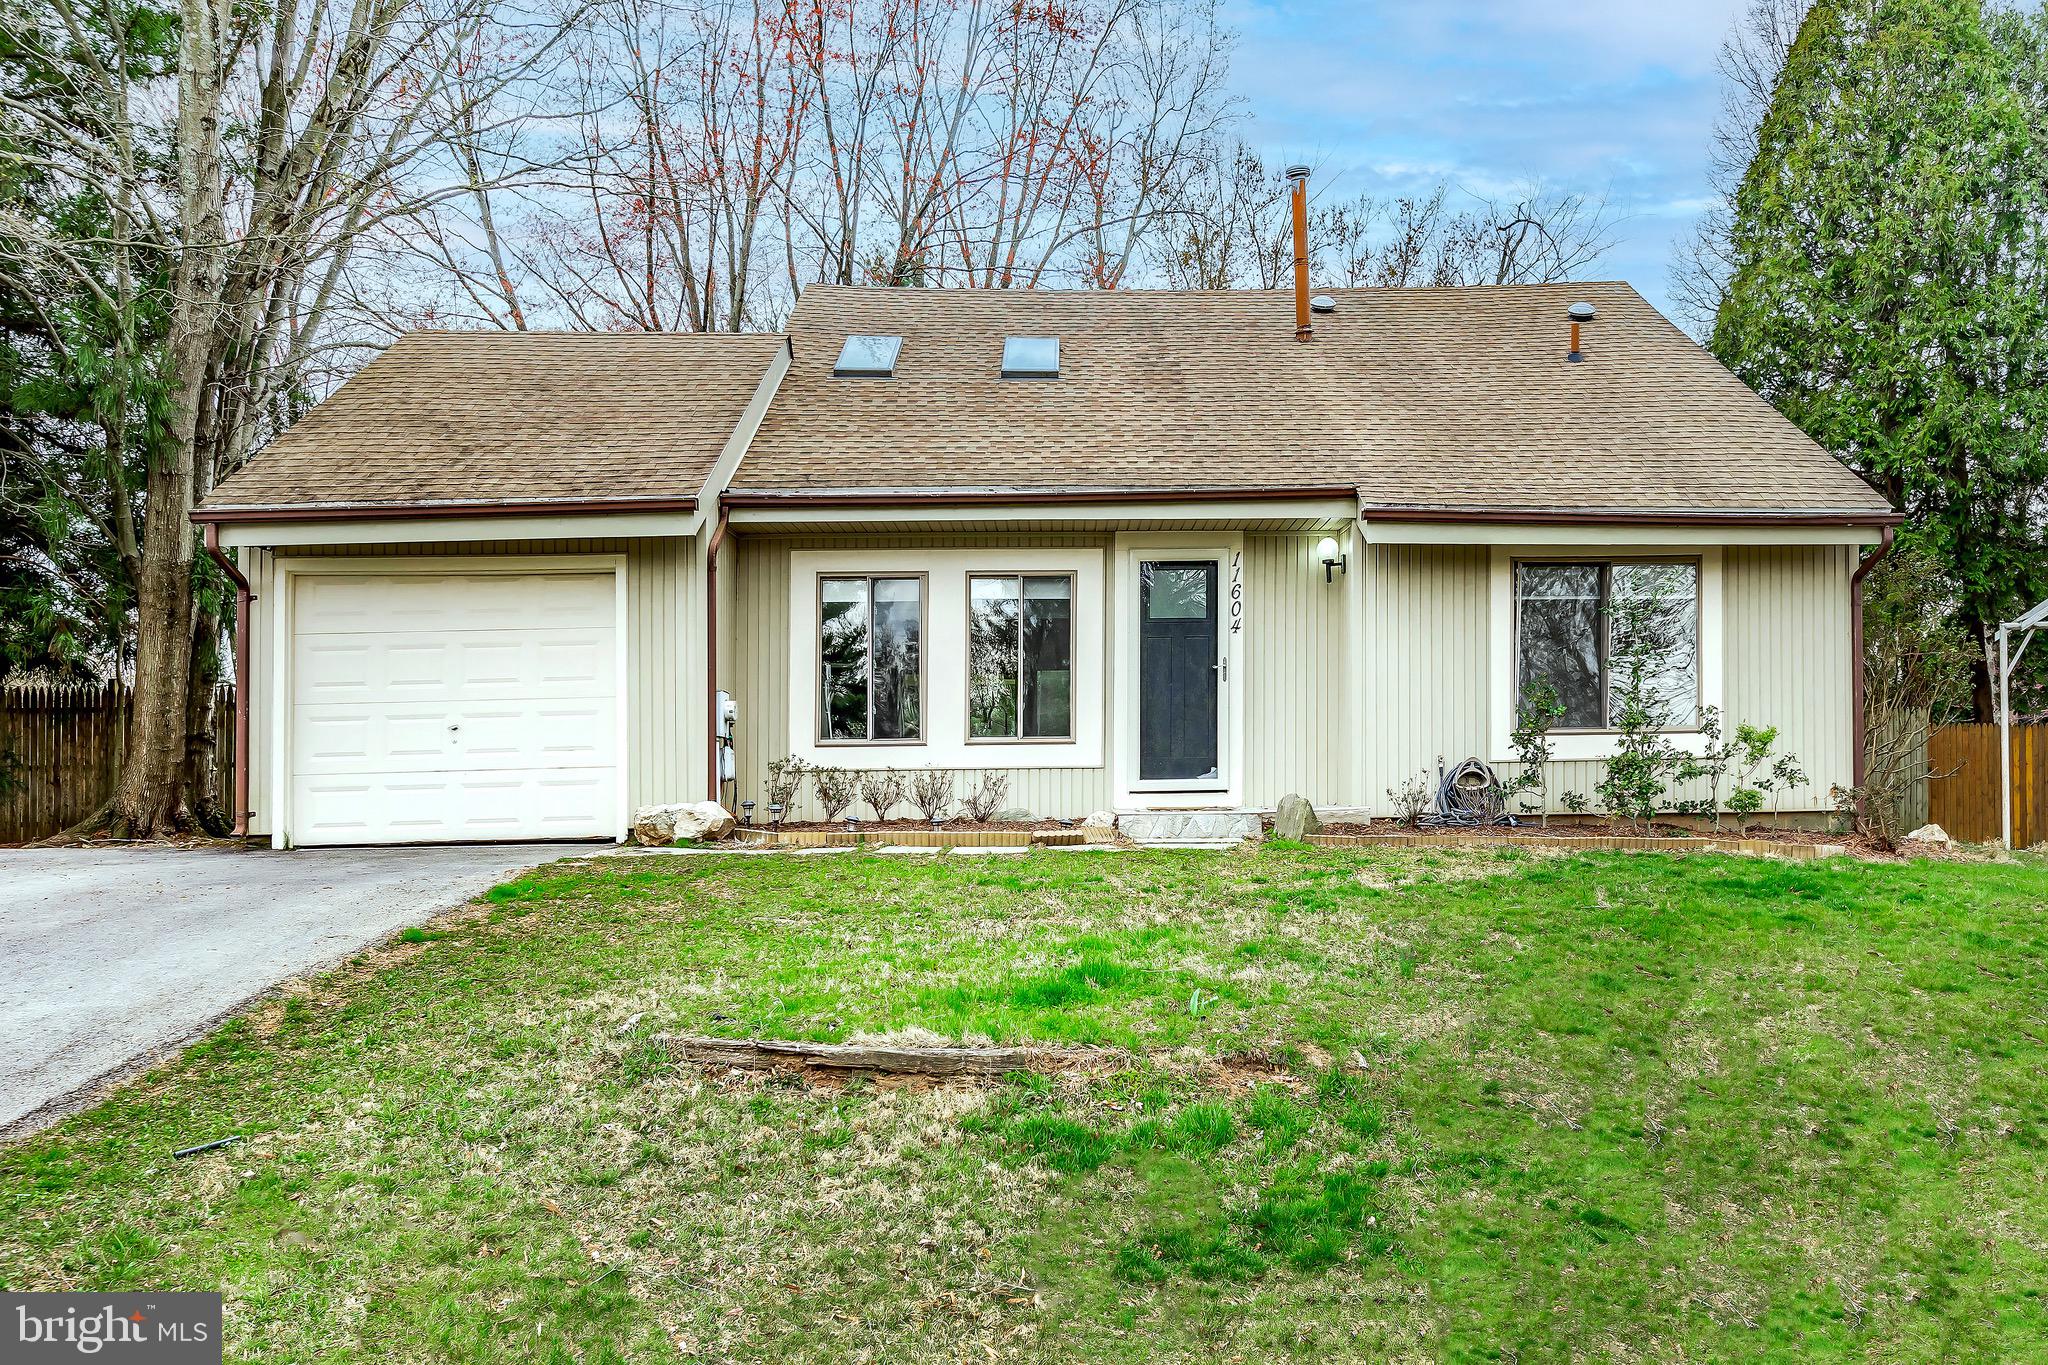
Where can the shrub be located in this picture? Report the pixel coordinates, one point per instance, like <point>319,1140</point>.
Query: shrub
<point>1642,629</point>
<point>835,788</point>
<point>1752,753</point>
<point>1538,710</point>
<point>1916,668</point>
<point>1411,799</point>
<point>932,793</point>
<point>986,799</point>
<point>882,789</point>
<point>785,782</point>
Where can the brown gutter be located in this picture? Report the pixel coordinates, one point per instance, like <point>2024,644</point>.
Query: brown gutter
<point>243,597</point>
<point>1856,721</point>
<point>711,649</point>
<point>983,497</point>
<point>382,511</point>
<point>1549,517</point>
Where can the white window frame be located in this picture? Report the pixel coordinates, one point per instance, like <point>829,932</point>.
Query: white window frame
<point>1580,745</point>
<point>944,702</point>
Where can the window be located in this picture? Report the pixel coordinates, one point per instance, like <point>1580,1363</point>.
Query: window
<point>870,659</point>
<point>1020,656</point>
<point>1577,623</point>
<point>1031,357</point>
<point>866,357</point>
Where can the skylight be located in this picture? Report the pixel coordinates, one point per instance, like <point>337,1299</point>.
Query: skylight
<point>1031,357</point>
<point>868,358</point>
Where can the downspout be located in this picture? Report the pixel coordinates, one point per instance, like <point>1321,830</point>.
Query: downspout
<point>243,597</point>
<point>717,787</point>
<point>1868,562</point>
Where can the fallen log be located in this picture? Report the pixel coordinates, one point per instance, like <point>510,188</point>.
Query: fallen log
<point>898,1061</point>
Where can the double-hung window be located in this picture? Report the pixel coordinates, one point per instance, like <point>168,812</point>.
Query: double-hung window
<point>1020,656</point>
<point>1589,627</point>
<point>870,659</point>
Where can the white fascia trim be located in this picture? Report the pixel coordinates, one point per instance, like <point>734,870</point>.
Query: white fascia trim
<point>743,432</point>
<point>1610,537</point>
<point>461,530</point>
<point>1500,654</point>
<point>944,687</point>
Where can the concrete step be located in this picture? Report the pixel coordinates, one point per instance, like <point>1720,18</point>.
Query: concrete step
<point>1189,828</point>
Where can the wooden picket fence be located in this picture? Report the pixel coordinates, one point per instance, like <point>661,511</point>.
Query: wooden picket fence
<point>61,747</point>
<point>1963,795</point>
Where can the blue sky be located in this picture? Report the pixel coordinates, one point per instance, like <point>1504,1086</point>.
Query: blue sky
<point>1611,97</point>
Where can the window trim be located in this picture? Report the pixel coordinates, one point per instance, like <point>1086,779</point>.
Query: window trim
<point>967,677</point>
<point>819,737</point>
<point>1606,563</point>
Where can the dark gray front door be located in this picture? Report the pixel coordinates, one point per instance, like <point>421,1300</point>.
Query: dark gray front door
<point>1177,672</point>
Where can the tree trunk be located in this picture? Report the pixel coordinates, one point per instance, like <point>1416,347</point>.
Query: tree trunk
<point>151,800</point>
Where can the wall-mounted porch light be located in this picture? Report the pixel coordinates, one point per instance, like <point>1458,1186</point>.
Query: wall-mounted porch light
<point>1333,557</point>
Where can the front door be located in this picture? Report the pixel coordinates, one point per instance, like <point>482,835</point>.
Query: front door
<point>1179,667</point>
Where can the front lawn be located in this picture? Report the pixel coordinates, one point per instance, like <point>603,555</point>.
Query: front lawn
<point>1479,1105</point>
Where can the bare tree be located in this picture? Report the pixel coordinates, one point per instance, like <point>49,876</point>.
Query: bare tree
<point>1230,229</point>
<point>1751,58</point>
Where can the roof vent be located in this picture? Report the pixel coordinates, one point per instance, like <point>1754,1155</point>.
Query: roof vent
<point>1582,312</point>
<point>1323,303</point>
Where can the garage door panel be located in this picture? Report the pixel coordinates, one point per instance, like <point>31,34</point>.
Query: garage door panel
<point>387,604</point>
<point>368,738</point>
<point>454,706</point>
<point>530,664</point>
<point>382,808</point>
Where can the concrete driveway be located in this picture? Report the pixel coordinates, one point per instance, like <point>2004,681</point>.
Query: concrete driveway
<point>111,959</point>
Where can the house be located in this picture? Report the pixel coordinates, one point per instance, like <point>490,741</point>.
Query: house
<point>1138,550</point>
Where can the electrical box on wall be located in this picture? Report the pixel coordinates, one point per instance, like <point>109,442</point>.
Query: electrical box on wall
<point>728,715</point>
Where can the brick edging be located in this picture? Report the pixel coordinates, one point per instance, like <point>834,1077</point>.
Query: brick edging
<point>1762,848</point>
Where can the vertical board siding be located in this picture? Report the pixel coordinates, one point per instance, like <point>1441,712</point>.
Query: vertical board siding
<point>759,676</point>
<point>1425,657</point>
<point>1424,660</point>
<point>1962,796</point>
<point>664,742</point>
<point>1297,665</point>
<point>1787,660</point>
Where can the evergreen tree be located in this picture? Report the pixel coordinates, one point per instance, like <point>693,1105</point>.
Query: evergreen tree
<point>1890,282</point>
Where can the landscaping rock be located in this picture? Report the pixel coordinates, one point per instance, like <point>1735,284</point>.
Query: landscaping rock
<point>1929,834</point>
<point>1100,819</point>
<point>1012,814</point>
<point>1295,819</point>
<point>660,825</point>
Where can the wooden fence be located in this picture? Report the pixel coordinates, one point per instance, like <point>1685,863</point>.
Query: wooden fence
<point>61,747</point>
<point>1962,797</point>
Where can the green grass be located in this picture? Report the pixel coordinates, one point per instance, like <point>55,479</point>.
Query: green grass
<point>1462,1106</point>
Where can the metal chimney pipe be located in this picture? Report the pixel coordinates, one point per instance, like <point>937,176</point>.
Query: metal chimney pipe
<point>1298,177</point>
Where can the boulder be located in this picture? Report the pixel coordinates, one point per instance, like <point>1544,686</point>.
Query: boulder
<point>1012,815</point>
<point>1929,834</point>
<point>658,826</point>
<point>1100,819</point>
<point>1295,819</point>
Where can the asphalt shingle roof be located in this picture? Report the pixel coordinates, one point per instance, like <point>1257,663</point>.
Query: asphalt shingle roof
<point>468,417</point>
<point>1453,399</point>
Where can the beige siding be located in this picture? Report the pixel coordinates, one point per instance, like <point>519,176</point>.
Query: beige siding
<point>1297,662</point>
<point>760,664</point>
<point>664,650</point>
<point>1425,658</point>
<point>1788,657</point>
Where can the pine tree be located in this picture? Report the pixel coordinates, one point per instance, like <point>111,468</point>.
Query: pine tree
<point>1890,290</point>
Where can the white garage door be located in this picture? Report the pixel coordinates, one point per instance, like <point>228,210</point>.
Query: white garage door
<point>453,706</point>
